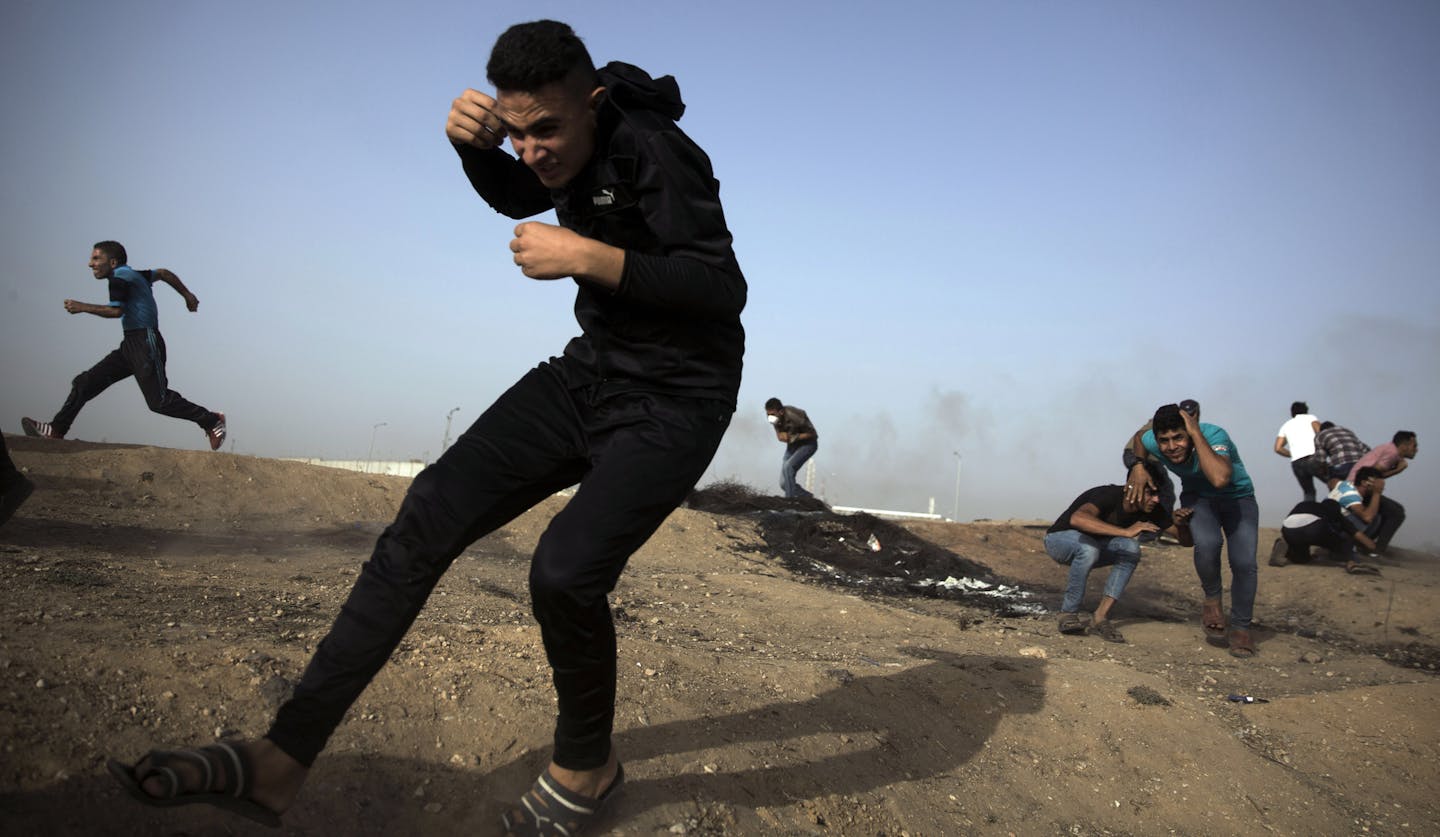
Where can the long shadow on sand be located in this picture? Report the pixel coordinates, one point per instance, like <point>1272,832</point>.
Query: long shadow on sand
<point>921,722</point>
<point>128,540</point>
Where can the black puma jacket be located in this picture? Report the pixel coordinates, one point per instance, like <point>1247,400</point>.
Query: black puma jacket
<point>673,325</point>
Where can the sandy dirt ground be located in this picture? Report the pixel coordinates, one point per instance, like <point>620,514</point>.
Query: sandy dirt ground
<point>153,597</point>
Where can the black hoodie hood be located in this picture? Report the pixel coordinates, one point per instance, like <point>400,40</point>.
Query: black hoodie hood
<point>630,88</point>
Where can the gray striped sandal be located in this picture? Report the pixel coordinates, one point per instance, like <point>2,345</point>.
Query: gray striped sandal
<point>551,809</point>
<point>227,779</point>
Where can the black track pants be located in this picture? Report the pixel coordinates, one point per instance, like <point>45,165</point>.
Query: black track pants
<point>142,354</point>
<point>636,457</point>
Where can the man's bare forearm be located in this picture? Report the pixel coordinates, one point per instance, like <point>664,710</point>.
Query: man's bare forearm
<point>109,312</point>
<point>1216,468</point>
<point>168,276</point>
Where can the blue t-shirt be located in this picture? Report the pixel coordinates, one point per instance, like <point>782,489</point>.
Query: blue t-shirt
<point>130,291</point>
<point>1192,480</point>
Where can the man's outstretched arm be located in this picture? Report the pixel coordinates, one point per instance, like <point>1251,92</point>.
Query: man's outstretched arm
<point>109,312</point>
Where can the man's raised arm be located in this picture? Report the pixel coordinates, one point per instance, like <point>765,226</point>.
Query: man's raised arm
<point>1216,468</point>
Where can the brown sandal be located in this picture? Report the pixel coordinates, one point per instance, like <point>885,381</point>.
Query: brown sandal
<point>1213,619</point>
<point>1241,644</point>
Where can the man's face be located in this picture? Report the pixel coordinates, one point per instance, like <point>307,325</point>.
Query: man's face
<point>1174,445</point>
<point>101,265</point>
<point>1410,448</point>
<point>1366,488</point>
<point>1150,500</point>
<point>552,130</point>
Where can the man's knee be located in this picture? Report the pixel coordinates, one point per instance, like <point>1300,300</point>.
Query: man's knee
<point>551,580</point>
<point>1125,550</point>
<point>157,401</point>
<point>563,568</point>
<point>1206,541</point>
<point>1243,570</point>
<point>1083,553</point>
<point>1297,544</point>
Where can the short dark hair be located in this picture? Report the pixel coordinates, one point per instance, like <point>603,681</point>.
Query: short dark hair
<point>1368,473</point>
<point>1298,407</point>
<point>1402,436</point>
<point>1326,425</point>
<point>528,56</point>
<point>1167,418</point>
<point>773,404</point>
<point>112,250</point>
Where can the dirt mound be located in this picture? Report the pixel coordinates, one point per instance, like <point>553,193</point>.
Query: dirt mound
<point>168,489</point>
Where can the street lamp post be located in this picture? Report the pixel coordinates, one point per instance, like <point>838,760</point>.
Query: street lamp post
<point>445,445</point>
<point>955,515</point>
<point>370,457</point>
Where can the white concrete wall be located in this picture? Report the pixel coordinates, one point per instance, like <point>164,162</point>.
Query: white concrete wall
<point>406,468</point>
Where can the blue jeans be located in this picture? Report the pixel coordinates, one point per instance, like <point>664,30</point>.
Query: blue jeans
<point>795,457</point>
<point>1239,521</point>
<point>1086,552</point>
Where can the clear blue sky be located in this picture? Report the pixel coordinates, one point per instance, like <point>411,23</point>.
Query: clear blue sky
<point>1005,229</point>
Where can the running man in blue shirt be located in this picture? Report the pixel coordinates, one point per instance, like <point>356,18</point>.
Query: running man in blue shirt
<point>141,352</point>
<point>1214,483</point>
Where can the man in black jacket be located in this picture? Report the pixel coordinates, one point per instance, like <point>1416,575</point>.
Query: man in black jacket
<point>793,427</point>
<point>632,410</point>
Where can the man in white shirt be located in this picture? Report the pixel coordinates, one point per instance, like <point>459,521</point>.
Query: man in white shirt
<point>1296,440</point>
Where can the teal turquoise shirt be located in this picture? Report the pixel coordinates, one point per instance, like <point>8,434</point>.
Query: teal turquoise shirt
<point>130,292</point>
<point>1192,481</point>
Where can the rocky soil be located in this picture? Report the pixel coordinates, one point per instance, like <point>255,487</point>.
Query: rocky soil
<point>779,673</point>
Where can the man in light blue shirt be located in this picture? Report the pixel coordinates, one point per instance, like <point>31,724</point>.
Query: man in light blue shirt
<point>141,352</point>
<point>1366,508</point>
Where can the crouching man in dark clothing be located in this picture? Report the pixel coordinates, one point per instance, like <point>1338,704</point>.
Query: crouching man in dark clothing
<point>632,411</point>
<point>1102,528</point>
<point>1321,524</point>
